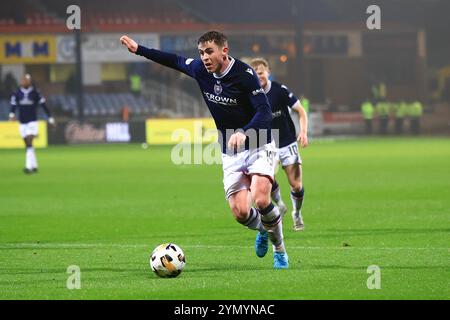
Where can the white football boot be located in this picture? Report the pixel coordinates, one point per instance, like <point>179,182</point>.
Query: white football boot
<point>298,221</point>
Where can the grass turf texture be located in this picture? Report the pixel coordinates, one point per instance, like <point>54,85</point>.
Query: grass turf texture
<point>381,202</point>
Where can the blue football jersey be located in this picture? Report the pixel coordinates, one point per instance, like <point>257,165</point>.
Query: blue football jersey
<point>234,98</point>
<point>281,99</point>
<point>26,102</point>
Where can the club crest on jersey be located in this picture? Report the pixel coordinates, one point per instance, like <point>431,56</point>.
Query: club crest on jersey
<point>257,91</point>
<point>217,88</point>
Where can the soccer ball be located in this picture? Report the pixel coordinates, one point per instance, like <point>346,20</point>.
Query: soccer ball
<point>167,260</point>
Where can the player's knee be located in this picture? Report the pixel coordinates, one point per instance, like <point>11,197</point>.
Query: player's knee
<point>240,215</point>
<point>262,202</point>
<point>240,211</point>
<point>296,186</point>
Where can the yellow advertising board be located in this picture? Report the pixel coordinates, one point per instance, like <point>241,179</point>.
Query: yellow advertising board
<point>174,131</point>
<point>10,135</point>
<point>27,49</point>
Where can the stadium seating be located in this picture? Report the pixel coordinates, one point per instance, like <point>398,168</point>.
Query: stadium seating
<point>95,13</point>
<point>102,104</point>
<point>179,103</point>
<point>95,104</point>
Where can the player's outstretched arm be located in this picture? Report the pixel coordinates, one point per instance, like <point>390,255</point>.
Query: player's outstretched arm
<point>170,60</point>
<point>129,43</point>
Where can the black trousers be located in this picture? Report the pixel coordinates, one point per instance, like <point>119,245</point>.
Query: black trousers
<point>415,125</point>
<point>368,126</point>
<point>399,125</point>
<point>384,125</point>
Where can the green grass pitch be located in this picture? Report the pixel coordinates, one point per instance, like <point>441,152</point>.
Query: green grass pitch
<point>383,202</point>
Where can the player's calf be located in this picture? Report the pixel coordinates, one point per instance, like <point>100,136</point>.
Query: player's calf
<point>271,220</point>
<point>252,220</point>
<point>297,203</point>
<point>276,197</point>
<point>297,199</point>
<point>275,192</point>
<point>244,214</point>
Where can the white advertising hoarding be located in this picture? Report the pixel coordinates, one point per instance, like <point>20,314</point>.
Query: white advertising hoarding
<point>117,132</point>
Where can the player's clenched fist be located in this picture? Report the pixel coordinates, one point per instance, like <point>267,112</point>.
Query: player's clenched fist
<point>236,141</point>
<point>129,43</point>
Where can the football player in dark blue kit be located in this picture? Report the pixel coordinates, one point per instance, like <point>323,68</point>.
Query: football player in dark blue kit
<point>242,116</point>
<point>281,99</point>
<point>25,101</point>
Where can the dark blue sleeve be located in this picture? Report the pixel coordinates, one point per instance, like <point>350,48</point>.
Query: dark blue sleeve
<point>188,66</point>
<point>41,100</point>
<point>258,99</point>
<point>289,97</point>
<point>13,103</point>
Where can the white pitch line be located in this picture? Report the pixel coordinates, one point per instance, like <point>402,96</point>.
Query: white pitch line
<point>198,246</point>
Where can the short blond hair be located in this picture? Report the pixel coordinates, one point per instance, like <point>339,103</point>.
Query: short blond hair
<point>256,62</point>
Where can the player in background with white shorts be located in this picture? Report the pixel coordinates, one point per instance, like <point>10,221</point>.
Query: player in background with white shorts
<point>237,103</point>
<point>26,101</point>
<point>280,99</point>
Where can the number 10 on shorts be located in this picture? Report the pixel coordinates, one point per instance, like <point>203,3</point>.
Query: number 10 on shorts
<point>293,149</point>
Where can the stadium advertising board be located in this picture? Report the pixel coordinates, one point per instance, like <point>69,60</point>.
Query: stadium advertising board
<point>10,136</point>
<point>104,47</point>
<point>74,132</point>
<point>174,131</point>
<point>315,123</point>
<point>342,122</point>
<point>180,44</point>
<point>18,49</point>
<point>117,132</point>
